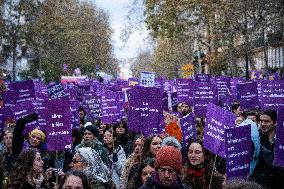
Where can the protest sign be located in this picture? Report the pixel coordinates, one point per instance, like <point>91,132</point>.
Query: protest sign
<point>187,124</point>
<point>147,79</point>
<point>185,91</point>
<point>202,77</point>
<point>279,142</point>
<point>248,95</point>
<point>74,108</point>
<point>56,90</point>
<point>238,152</point>
<point>217,120</point>
<point>59,127</point>
<point>272,94</point>
<point>24,91</point>
<point>204,94</point>
<point>225,98</point>
<point>92,106</point>
<point>145,109</point>
<point>110,107</point>
<point>133,81</point>
<point>22,110</point>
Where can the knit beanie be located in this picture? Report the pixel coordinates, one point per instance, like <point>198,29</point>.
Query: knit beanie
<point>93,129</point>
<point>169,156</point>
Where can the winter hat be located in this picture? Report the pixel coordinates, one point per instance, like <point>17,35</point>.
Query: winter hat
<point>169,156</point>
<point>171,141</point>
<point>93,129</point>
<point>37,131</point>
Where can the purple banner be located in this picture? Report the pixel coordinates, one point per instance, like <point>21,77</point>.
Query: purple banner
<point>59,131</point>
<point>188,128</point>
<point>217,120</point>
<point>204,94</point>
<point>185,90</point>
<point>110,107</point>
<point>202,77</point>
<point>248,95</point>
<point>238,152</point>
<point>279,143</point>
<point>41,110</point>
<point>145,109</point>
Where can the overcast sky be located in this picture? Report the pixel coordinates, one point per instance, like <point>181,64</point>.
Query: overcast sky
<point>117,10</point>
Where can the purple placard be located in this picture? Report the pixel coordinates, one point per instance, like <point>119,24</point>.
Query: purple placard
<point>110,107</point>
<point>217,120</point>
<point>82,88</point>
<point>185,90</point>
<point>41,110</point>
<point>74,108</point>
<point>202,77</point>
<point>122,105</point>
<point>92,106</point>
<point>234,82</point>
<point>145,109</point>
<point>24,109</point>
<point>56,90</point>
<point>248,95</point>
<point>168,85</point>
<point>59,127</point>
<point>9,98</point>
<point>272,94</point>
<point>204,94</point>
<point>279,142</point>
<point>225,98</point>
<point>24,91</point>
<point>187,124</point>
<point>238,152</point>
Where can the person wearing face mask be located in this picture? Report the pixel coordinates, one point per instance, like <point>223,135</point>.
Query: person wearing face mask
<point>198,169</point>
<point>133,159</point>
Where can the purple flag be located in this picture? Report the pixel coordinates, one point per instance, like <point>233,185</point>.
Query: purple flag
<point>248,95</point>
<point>188,128</point>
<point>238,152</point>
<point>110,107</point>
<point>279,143</point>
<point>204,94</point>
<point>217,120</point>
<point>185,90</point>
<point>145,109</point>
<point>59,131</point>
<point>202,77</point>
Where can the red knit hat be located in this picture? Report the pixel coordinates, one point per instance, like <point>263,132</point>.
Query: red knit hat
<point>169,156</point>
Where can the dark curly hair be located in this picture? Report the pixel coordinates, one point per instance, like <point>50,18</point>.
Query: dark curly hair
<point>22,169</point>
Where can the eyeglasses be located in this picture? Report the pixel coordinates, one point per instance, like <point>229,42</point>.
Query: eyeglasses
<point>163,171</point>
<point>74,161</point>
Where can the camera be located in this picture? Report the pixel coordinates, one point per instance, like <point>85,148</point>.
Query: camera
<point>54,175</point>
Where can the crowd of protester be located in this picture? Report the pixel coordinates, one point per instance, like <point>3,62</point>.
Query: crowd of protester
<point>109,156</point>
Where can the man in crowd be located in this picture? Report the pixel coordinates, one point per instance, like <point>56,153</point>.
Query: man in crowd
<point>168,169</point>
<point>266,173</point>
<point>183,108</point>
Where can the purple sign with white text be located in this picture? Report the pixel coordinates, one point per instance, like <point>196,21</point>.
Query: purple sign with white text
<point>217,120</point>
<point>279,142</point>
<point>187,124</point>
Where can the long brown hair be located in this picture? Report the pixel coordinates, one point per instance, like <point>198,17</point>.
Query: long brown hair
<point>22,169</point>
